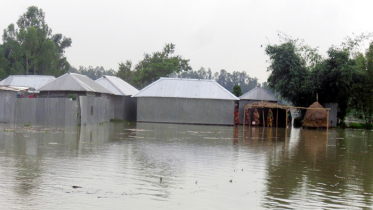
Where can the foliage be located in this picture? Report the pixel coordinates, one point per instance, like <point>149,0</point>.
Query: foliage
<point>93,73</point>
<point>355,125</point>
<point>299,73</point>
<point>289,73</point>
<point>362,88</point>
<point>237,90</point>
<point>31,48</point>
<point>153,66</point>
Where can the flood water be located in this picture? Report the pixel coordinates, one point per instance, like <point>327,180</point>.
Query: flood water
<point>168,166</point>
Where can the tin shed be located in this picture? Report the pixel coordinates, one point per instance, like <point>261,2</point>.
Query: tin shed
<point>125,107</point>
<point>191,101</point>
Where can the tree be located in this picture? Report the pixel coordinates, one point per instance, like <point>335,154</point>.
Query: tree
<point>124,71</point>
<point>362,88</point>
<point>159,64</point>
<point>32,49</point>
<point>237,90</point>
<point>289,73</point>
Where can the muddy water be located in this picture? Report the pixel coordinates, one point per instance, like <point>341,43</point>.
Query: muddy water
<point>118,166</point>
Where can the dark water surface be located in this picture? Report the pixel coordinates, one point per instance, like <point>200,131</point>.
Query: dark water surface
<point>120,166</point>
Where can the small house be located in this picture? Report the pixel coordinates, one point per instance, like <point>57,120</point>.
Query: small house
<point>189,101</point>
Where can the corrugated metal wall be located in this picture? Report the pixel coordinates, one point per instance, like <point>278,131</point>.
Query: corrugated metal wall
<point>96,109</point>
<point>332,113</point>
<point>241,107</point>
<point>185,110</point>
<point>125,108</point>
<point>7,102</point>
<point>46,111</point>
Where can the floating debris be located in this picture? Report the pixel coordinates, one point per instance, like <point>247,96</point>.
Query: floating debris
<point>75,187</point>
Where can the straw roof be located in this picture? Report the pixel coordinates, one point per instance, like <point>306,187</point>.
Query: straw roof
<point>315,118</point>
<point>266,104</point>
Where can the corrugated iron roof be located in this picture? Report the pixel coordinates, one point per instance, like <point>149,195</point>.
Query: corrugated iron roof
<point>186,88</point>
<point>259,94</point>
<point>74,82</point>
<point>117,86</point>
<point>30,81</point>
<point>13,88</point>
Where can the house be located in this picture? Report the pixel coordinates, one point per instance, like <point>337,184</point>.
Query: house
<point>190,101</point>
<point>94,101</point>
<point>125,107</point>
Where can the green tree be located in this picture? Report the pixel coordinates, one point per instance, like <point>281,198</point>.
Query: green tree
<point>237,90</point>
<point>289,73</point>
<point>32,49</point>
<point>158,64</point>
<point>124,71</point>
<point>362,88</point>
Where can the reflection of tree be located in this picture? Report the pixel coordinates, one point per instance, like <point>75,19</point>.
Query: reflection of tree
<point>310,166</point>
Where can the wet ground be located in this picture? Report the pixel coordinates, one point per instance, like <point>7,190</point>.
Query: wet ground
<point>167,166</point>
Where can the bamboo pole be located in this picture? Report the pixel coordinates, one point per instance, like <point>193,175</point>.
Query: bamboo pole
<point>327,126</point>
<point>264,124</point>
<point>286,110</point>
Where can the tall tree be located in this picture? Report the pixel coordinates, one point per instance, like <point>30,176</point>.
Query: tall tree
<point>32,49</point>
<point>362,88</point>
<point>159,64</point>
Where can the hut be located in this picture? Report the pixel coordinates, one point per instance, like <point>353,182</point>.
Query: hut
<point>316,117</point>
<point>25,84</point>
<point>125,106</point>
<point>190,101</point>
<point>278,111</point>
<point>94,101</point>
<point>17,86</point>
<point>71,84</point>
<point>255,95</point>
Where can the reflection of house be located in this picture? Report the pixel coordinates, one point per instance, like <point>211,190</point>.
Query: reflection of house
<point>124,105</point>
<point>174,100</point>
<point>255,95</point>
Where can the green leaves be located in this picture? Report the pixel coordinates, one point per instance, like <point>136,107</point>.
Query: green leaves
<point>153,66</point>
<point>32,49</point>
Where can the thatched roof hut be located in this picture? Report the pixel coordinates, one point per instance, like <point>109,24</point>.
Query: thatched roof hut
<point>316,117</point>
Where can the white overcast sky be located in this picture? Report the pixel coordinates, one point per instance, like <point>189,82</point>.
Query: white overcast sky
<point>212,34</point>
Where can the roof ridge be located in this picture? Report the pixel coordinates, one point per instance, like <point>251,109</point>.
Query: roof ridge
<point>151,84</point>
<point>81,83</point>
<point>114,85</point>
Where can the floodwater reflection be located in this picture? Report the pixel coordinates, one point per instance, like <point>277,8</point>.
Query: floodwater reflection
<point>168,166</point>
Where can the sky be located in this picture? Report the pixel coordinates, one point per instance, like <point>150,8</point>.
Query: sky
<point>216,34</point>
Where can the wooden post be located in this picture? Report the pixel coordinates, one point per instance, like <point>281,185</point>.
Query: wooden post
<point>327,126</point>
<point>264,124</point>
<point>286,112</point>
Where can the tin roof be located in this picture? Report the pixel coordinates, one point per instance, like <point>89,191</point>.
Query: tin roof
<point>117,86</point>
<point>259,94</point>
<point>74,82</point>
<point>186,88</point>
<point>30,81</point>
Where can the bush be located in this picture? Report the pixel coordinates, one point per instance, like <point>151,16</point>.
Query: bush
<point>355,125</point>
<point>298,122</point>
